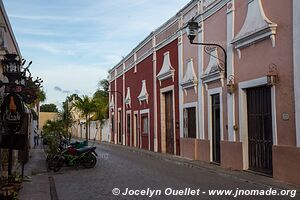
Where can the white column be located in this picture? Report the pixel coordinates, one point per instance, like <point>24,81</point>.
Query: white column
<point>230,70</point>
<point>116,110</point>
<point>155,95</point>
<point>123,110</point>
<point>296,44</point>
<point>180,73</point>
<point>109,113</point>
<point>201,134</point>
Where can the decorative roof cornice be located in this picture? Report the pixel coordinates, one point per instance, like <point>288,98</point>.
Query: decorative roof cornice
<point>127,99</point>
<point>190,78</point>
<point>143,94</point>
<point>257,27</point>
<point>167,71</point>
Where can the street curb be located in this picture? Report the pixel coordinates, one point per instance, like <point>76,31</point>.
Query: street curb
<point>245,176</point>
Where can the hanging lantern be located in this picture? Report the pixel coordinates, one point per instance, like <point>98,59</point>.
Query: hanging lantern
<point>11,67</point>
<point>231,86</point>
<point>272,75</point>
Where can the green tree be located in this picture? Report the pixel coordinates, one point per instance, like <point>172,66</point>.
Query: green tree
<point>101,100</point>
<point>48,108</point>
<point>86,107</point>
<point>103,85</point>
<point>65,117</point>
<point>51,132</point>
<point>41,96</point>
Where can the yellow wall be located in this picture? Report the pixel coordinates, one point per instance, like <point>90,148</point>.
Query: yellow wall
<point>44,116</point>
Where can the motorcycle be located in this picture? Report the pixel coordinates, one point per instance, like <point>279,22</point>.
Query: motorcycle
<point>74,154</point>
<point>71,156</point>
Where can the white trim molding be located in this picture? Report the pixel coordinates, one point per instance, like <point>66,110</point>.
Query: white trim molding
<point>167,71</point>
<point>190,79</point>
<point>180,75</point>
<point>190,105</point>
<point>257,27</point>
<point>201,134</point>
<point>112,102</point>
<point>230,70</point>
<point>143,96</point>
<point>155,97</point>
<point>143,112</point>
<point>213,71</point>
<point>211,92</point>
<point>127,99</point>
<point>296,45</point>
<point>243,119</point>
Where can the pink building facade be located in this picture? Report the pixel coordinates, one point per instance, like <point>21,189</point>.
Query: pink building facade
<point>173,97</point>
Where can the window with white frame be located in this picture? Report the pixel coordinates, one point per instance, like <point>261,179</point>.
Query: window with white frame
<point>145,124</point>
<point>189,122</point>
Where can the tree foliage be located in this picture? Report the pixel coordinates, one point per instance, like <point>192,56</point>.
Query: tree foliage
<point>85,106</point>
<point>52,130</point>
<point>101,100</point>
<point>48,108</point>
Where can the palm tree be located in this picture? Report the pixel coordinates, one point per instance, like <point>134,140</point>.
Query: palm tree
<point>86,106</point>
<point>66,113</point>
<point>66,117</point>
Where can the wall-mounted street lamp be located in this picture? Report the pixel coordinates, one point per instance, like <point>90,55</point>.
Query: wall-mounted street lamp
<point>230,85</point>
<point>272,75</point>
<point>192,32</point>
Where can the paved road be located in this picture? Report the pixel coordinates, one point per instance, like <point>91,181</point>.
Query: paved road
<point>121,168</point>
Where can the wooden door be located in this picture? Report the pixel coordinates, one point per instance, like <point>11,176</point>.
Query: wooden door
<point>120,132</point>
<point>169,122</point>
<point>145,131</point>
<point>136,131</point>
<point>260,138</point>
<point>128,134</point>
<point>216,128</point>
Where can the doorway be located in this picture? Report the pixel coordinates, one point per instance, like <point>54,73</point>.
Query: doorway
<point>136,131</point>
<point>120,135</point>
<point>260,137</point>
<point>169,126</point>
<point>216,128</point>
<point>128,128</point>
<point>145,131</point>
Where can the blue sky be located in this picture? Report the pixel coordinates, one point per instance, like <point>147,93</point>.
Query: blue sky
<point>73,43</point>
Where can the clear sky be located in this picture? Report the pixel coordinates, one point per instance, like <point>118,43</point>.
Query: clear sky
<point>73,43</point>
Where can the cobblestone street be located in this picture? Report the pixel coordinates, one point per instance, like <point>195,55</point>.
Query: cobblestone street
<point>123,167</point>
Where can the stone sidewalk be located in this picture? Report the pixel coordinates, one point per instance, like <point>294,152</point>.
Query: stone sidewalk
<point>38,186</point>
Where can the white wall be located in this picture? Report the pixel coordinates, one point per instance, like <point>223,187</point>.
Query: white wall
<point>105,131</point>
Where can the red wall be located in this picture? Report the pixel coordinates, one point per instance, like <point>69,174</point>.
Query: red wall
<point>173,49</point>
<point>134,81</point>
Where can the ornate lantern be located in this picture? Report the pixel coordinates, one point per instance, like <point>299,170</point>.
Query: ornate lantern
<point>272,75</point>
<point>231,86</point>
<point>11,67</point>
<point>192,30</point>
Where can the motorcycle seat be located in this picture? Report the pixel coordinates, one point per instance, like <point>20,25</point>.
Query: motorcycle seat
<point>85,149</point>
